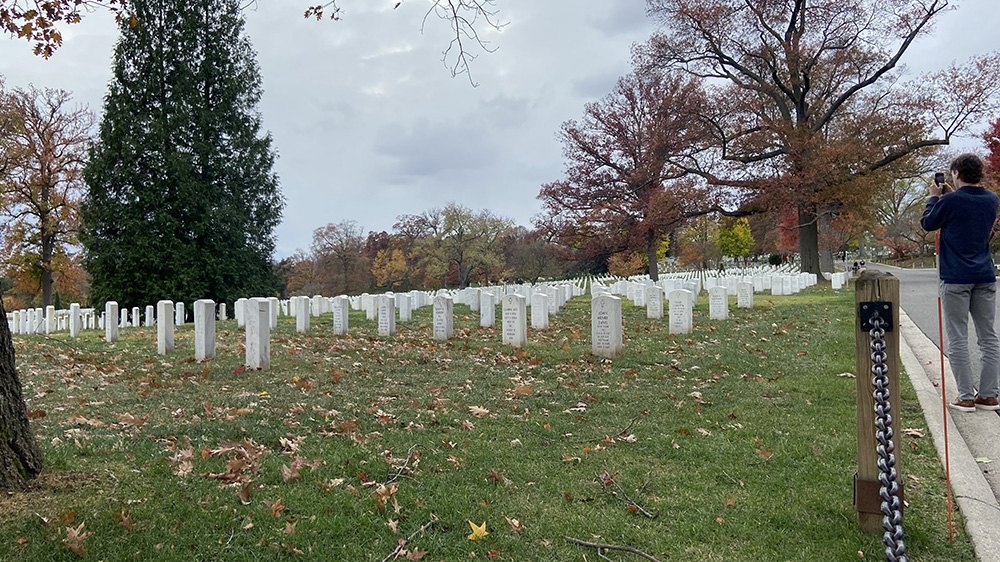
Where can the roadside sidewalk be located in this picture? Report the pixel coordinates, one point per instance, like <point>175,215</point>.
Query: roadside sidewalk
<point>975,483</point>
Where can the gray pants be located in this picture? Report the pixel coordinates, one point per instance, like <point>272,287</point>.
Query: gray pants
<point>958,302</point>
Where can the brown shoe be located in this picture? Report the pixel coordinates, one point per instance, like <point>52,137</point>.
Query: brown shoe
<point>963,405</point>
<point>990,403</point>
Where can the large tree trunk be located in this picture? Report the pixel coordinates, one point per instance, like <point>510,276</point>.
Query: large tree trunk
<point>46,286</point>
<point>651,247</point>
<point>809,242</point>
<point>48,248</point>
<point>825,233</point>
<point>20,456</point>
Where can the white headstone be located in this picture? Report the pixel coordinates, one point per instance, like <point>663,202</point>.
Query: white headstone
<point>341,308</point>
<point>679,313</point>
<point>472,296</point>
<point>718,303</point>
<point>222,311</point>
<point>110,328</point>
<point>165,327</point>
<point>150,315</point>
<point>75,323</point>
<point>179,314</point>
<point>744,295</point>
<point>258,334</point>
<point>776,285</point>
<point>273,303</point>
<point>368,305</point>
<point>514,319</point>
<point>539,310</point>
<point>606,325</point>
<point>302,306</point>
<point>386,315</point>
<point>239,309</point>
<point>694,288</point>
<point>552,300</point>
<point>123,318</point>
<point>204,329</point>
<point>50,319</point>
<point>405,303</point>
<point>640,294</point>
<point>654,302</point>
<point>487,309</point>
<point>444,320</point>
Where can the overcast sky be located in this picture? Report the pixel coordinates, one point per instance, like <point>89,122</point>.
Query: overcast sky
<point>369,124</point>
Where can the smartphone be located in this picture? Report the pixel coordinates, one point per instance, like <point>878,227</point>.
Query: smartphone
<point>939,177</point>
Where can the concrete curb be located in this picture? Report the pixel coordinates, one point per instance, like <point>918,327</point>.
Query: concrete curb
<point>970,489</point>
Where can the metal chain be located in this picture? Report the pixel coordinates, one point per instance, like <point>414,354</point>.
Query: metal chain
<point>892,515</point>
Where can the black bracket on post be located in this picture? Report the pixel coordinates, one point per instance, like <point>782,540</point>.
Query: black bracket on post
<point>868,309</point>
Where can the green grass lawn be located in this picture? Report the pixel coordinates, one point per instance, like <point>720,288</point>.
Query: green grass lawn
<point>735,443</point>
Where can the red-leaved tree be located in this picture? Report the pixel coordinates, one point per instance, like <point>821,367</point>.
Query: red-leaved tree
<point>992,140</point>
<point>621,186</point>
<point>806,101</point>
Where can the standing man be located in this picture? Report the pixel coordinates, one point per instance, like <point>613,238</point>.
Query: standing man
<point>968,286</point>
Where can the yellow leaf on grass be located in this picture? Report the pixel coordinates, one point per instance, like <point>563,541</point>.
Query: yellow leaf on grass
<point>477,532</point>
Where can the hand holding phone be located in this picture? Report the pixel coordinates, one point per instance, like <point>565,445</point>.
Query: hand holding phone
<point>940,187</point>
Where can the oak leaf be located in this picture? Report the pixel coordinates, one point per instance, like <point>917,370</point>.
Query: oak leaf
<point>276,506</point>
<point>74,539</point>
<point>128,419</point>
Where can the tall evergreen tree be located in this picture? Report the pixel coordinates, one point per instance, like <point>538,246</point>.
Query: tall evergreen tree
<point>182,201</point>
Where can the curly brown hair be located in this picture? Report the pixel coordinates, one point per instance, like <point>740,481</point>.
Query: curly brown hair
<point>968,167</point>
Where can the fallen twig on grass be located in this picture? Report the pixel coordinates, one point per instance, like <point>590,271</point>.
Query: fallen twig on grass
<point>401,472</point>
<point>624,433</point>
<point>607,480</point>
<point>621,435</point>
<point>601,547</point>
<point>403,542</point>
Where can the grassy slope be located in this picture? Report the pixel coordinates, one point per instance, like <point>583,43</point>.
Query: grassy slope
<point>740,437</point>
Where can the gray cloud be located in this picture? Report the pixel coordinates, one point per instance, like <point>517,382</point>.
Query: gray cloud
<point>369,124</point>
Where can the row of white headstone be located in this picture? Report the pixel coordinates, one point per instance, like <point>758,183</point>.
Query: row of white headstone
<point>75,319</point>
<point>606,309</point>
<point>259,315</point>
<point>50,320</point>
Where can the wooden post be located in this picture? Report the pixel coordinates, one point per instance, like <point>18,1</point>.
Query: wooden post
<point>871,287</point>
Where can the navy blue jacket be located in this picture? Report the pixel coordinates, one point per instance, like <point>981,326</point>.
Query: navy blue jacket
<point>965,218</point>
